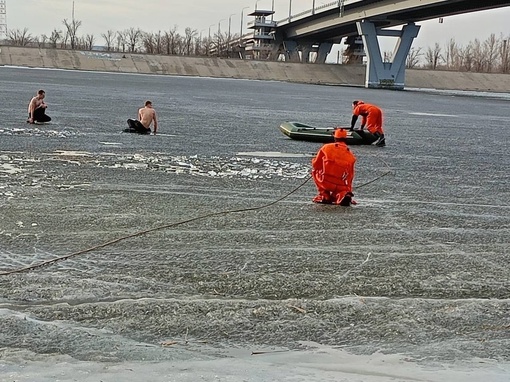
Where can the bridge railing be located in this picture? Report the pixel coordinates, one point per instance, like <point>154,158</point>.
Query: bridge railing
<point>321,8</point>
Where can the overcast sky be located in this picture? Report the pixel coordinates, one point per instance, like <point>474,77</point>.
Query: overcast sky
<point>98,16</point>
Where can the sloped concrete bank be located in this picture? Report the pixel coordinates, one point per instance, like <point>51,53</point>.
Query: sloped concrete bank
<point>350,75</point>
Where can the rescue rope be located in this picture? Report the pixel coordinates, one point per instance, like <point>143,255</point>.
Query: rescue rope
<point>165,226</point>
<point>140,233</point>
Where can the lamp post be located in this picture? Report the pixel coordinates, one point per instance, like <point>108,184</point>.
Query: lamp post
<point>219,36</point>
<point>241,30</point>
<point>505,56</point>
<point>229,25</point>
<point>228,38</point>
<point>313,7</point>
<point>200,39</point>
<point>256,4</point>
<point>209,39</point>
<point>290,10</point>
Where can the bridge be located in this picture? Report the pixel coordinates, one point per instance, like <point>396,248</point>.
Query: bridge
<point>316,30</point>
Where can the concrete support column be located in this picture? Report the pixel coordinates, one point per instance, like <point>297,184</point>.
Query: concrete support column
<point>306,49</point>
<point>291,51</point>
<point>388,75</point>
<point>324,50</point>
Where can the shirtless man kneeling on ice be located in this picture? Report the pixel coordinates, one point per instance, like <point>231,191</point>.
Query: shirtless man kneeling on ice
<point>146,117</point>
<point>37,108</point>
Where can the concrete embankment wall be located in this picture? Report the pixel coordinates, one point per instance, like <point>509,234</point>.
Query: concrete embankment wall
<point>353,75</point>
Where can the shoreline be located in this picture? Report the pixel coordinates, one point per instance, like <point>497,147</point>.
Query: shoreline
<point>213,67</point>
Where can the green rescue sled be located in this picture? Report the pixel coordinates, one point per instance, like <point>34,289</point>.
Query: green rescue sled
<point>301,132</point>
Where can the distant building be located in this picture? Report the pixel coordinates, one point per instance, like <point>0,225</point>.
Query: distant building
<point>261,46</point>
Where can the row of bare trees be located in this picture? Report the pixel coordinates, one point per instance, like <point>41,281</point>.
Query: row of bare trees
<point>490,55</point>
<point>131,40</point>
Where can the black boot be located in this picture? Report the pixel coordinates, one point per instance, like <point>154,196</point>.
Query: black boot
<point>381,141</point>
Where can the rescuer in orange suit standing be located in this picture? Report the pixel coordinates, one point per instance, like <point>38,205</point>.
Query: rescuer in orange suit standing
<point>333,172</point>
<point>371,117</point>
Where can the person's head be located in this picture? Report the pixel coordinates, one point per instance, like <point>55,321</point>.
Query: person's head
<point>148,103</point>
<point>356,103</point>
<point>41,93</point>
<point>340,135</point>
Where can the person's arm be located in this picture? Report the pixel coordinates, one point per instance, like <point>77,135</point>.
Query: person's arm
<point>155,123</point>
<point>353,121</point>
<point>139,114</point>
<point>31,109</point>
<point>318,162</point>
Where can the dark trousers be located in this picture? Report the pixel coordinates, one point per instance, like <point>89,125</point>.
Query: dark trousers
<point>40,115</point>
<point>136,126</point>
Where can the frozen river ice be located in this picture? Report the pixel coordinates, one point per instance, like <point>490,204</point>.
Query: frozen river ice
<point>410,284</point>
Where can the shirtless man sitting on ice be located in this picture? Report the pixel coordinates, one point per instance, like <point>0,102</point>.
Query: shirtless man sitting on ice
<point>37,109</point>
<point>146,117</point>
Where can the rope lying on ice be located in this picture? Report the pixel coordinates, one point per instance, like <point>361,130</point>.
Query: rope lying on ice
<point>140,233</point>
<point>165,226</point>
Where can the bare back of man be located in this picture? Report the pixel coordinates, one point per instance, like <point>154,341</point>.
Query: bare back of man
<point>147,116</point>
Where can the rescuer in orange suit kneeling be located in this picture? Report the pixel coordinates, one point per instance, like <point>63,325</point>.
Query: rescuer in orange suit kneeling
<point>371,117</point>
<point>333,172</point>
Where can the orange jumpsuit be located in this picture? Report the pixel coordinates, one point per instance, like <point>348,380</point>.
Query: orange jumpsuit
<point>371,117</point>
<point>333,173</point>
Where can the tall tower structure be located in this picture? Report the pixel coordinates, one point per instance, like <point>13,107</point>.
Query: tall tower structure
<point>3,20</point>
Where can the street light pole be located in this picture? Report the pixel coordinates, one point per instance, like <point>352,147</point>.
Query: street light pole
<point>313,7</point>
<point>241,31</point>
<point>209,39</point>
<point>230,24</point>
<point>505,57</point>
<point>200,40</point>
<point>219,35</point>
<point>290,10</point>
<point>228,38</point>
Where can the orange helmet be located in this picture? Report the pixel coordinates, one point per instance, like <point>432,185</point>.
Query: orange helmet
<point>340,133</point>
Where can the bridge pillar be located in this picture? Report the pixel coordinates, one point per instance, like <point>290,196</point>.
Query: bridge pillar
<point>324,50</point>
<point>306,49</point>
<point>388,75</point>
<point>291,51</point>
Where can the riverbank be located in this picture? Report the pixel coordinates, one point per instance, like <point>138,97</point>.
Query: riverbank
<point>329,74</point>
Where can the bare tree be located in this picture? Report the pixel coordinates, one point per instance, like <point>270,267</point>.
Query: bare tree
<point>451,54</point>
<point>504,54</point>
<point>19,37</point>
<point>387,56</point>
<point>158,43</point>
<point>466,55</point>
<point>433,56</point>
<point>490,48</point>
<point>478,56</point>
<point>133,37</point>
<point>190,34</point>
<point>108,38</point>
<point>54,38</point>
<point>200,46</point>
<point>170,40</point>
<point>65,39</point>
<point>121,41</point>
<point>42,41</point>
<point>220,42</point>
<point>148,42</point>
<point>72,29</point>
<point>89,41</point>
<point>413,58</point>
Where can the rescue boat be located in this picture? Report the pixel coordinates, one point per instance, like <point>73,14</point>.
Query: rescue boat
<point>302,132</point>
